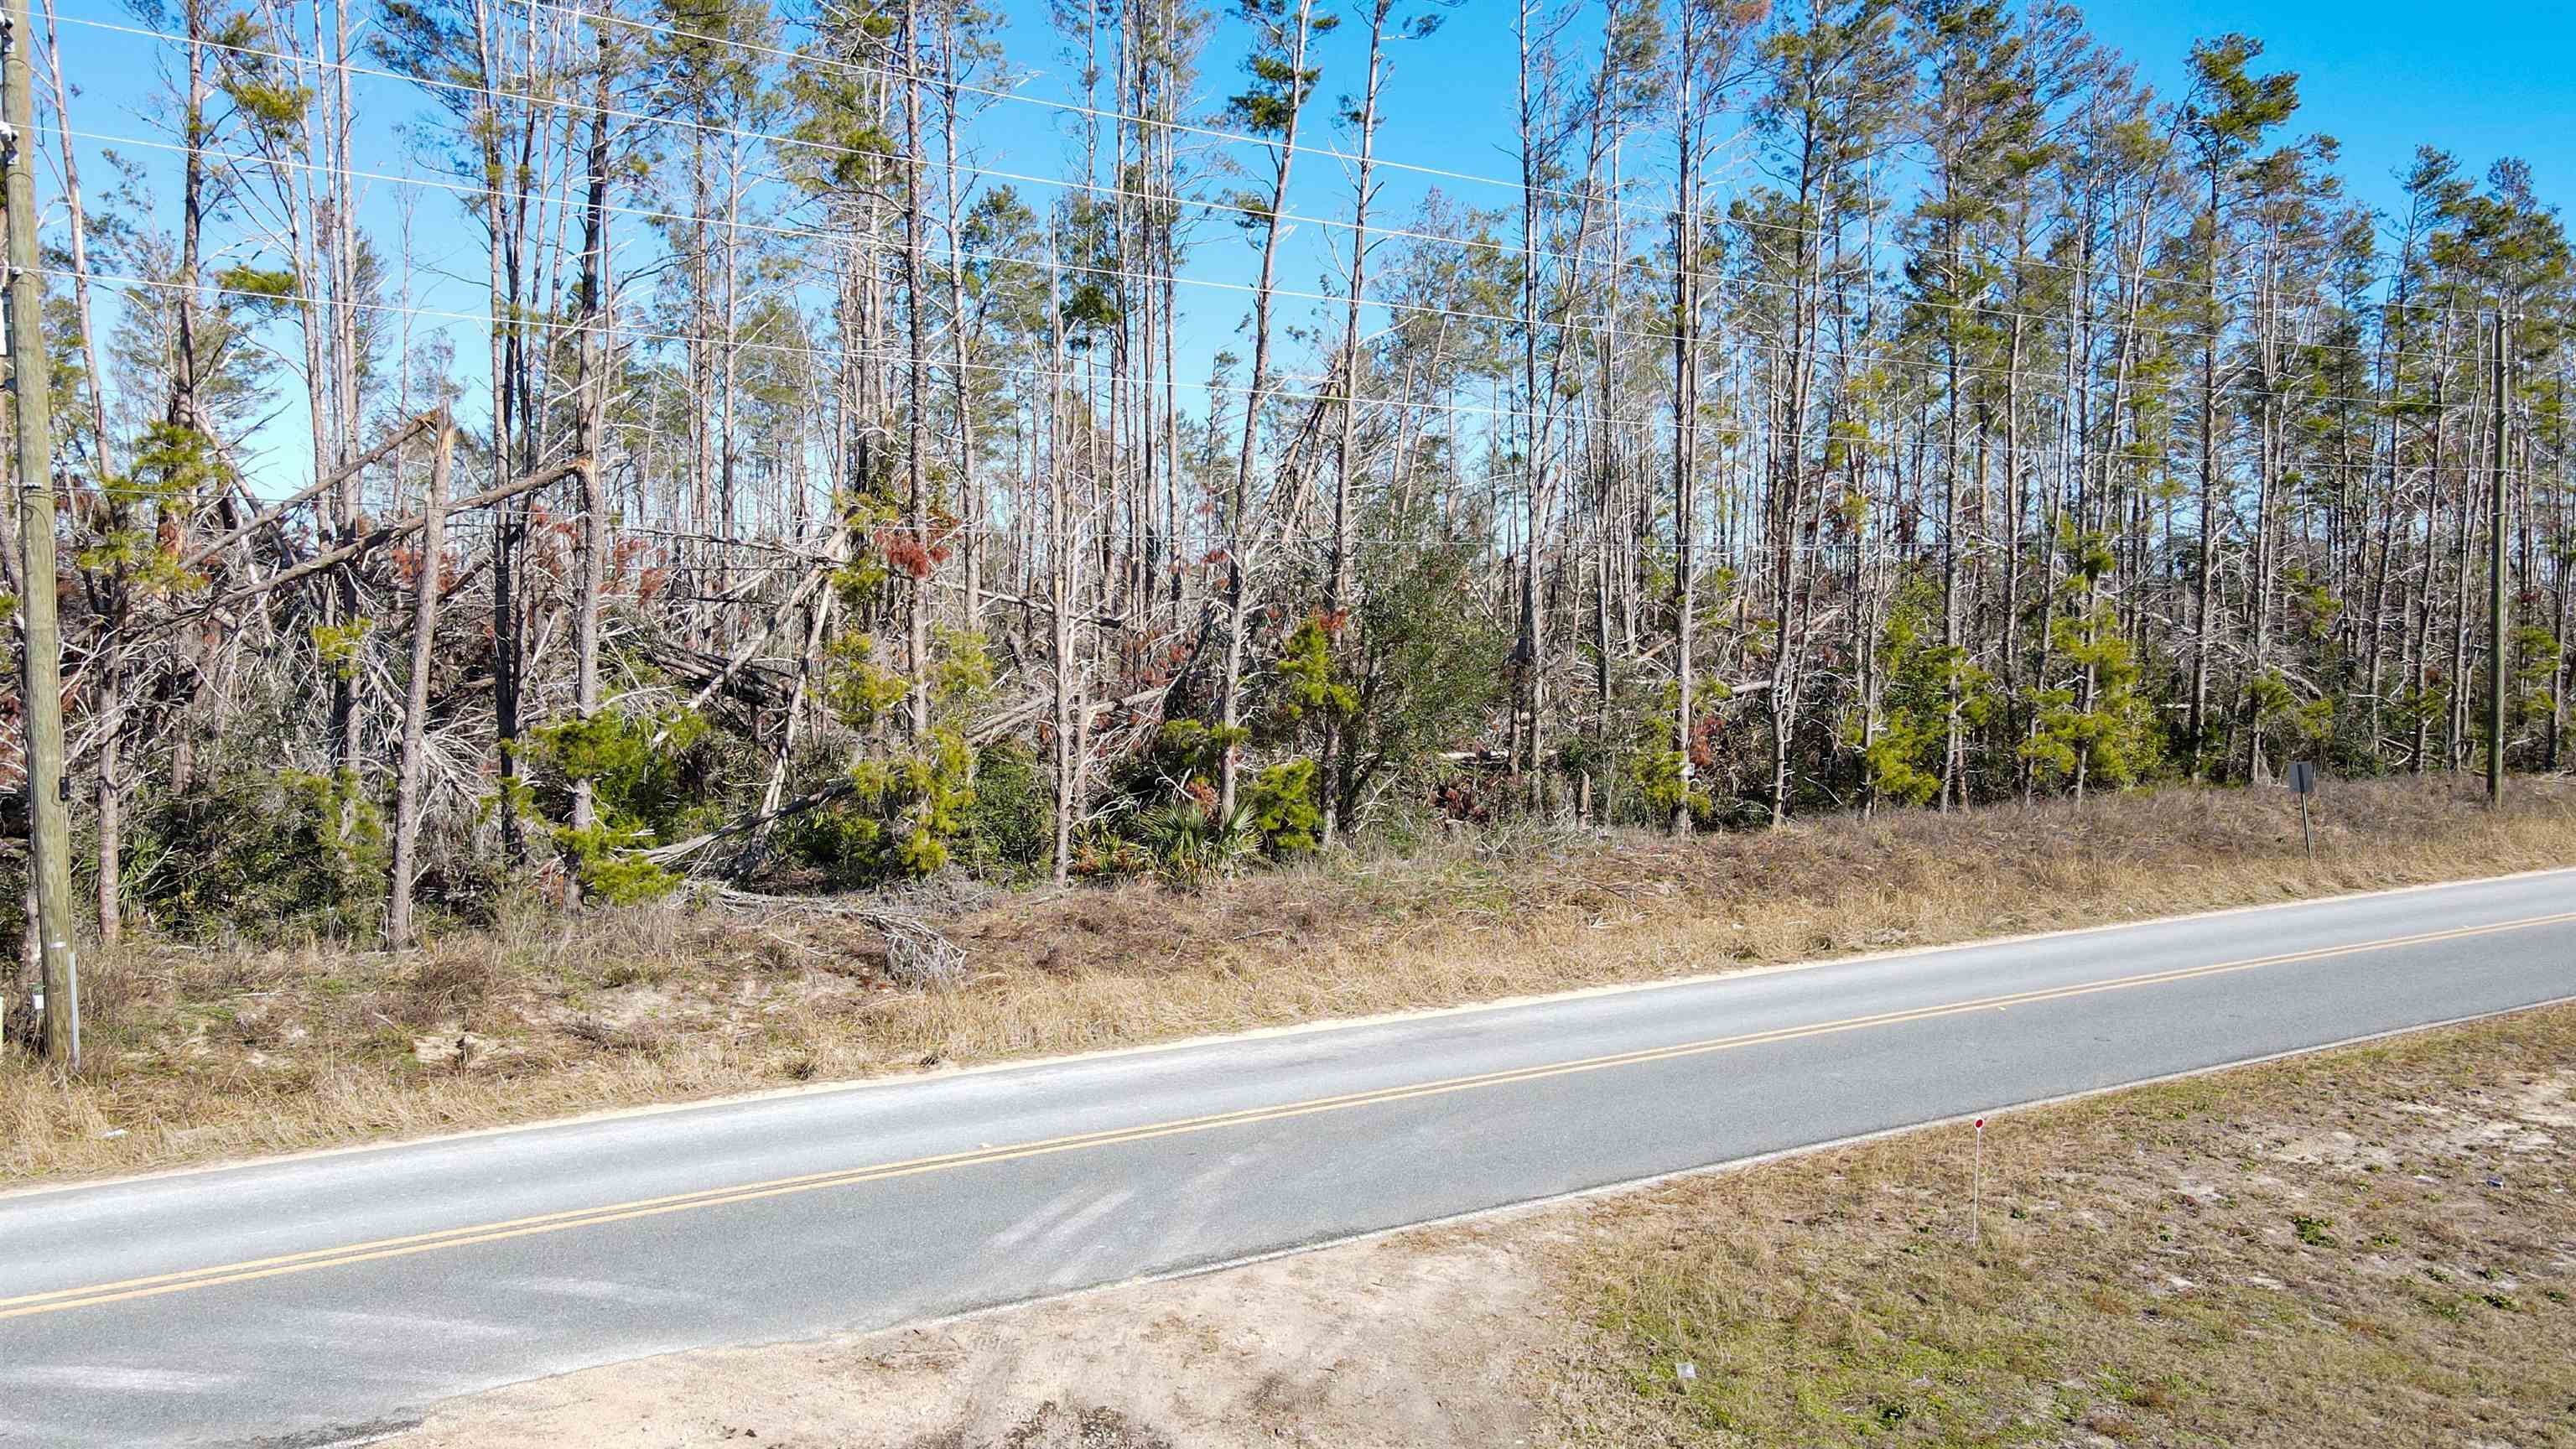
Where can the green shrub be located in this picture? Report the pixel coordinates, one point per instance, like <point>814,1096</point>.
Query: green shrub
<point>264,854</point>
<point>1928,686</point>
<point>1307,691</point>
<point>1188,845</point>
<point>603,858</point>
<point>1010,826</point>
<point>1663,788</point>
<point>1283,808</point>
<point>2097,726</point>
<point>643,792</point>
<point>1182,761</point>
<point>898,817</point>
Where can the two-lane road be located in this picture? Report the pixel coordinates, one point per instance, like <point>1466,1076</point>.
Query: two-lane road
<point>317,1296</point>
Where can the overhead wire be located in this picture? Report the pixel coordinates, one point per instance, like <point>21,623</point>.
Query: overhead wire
<point>1571,416</point>
<point>2107,327</point>
<point>581,15</point>
<point>1254,212</point>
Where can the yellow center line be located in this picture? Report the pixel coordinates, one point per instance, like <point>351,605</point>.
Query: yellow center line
<point>96,1294</point>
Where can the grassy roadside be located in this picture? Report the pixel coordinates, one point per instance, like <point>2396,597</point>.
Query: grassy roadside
<point>2375,1245</point>
<point>198,1055</point>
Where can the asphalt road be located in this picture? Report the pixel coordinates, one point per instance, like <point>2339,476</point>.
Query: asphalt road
<point>310,1301</point>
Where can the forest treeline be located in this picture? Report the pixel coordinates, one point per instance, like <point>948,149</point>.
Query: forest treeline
<point>1888,404</point>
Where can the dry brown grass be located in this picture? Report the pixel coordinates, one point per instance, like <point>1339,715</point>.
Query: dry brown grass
<point>197,1055</point>
<point>2370,1246</point>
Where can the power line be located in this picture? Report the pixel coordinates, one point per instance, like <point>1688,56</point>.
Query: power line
<point>1639,334</point>
<point>941,82</point>
<point>2109,328</point>
<point>1254,212</point>
<point>1593,194</point>
<point>1570,416</point>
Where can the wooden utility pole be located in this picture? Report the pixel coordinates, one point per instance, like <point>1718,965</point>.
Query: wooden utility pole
<point>2496,662</point>
<point>41,694</point>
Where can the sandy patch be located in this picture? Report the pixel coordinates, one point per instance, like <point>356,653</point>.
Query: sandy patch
<point>1429,1339</point>
<point>2548,1101</point>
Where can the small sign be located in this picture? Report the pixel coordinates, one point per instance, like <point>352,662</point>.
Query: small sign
<point>2303,777</point>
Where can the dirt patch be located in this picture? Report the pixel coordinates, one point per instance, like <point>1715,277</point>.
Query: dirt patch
<point>1430,1340</point>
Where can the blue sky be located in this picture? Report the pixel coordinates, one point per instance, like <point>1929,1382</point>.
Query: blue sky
<point>2483,78</point>
<point>2489,79</point>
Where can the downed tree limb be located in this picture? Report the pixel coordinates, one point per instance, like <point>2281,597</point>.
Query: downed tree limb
<point>993,727</point>
<point>384,534</point>
<point>682,849</point>
<point>983,732</point>
<point>262,518</point>
<point>759,684</point>
<point>753,645</point>
<point>758,841</point>
<point>415,726</point>
<point>916,955</point>
<point>1103,621</point>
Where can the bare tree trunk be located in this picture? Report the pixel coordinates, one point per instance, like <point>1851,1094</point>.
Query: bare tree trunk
<point>1337,581</point>
<point>2203,625</point>
<point>424,643</point>
<point>970,484</point>
<point>1063,559</point>
<point>593,392</point>
<point>1686,366</point>
<point>1239,543</point>
<point>916,451</point>
<point>111,805</point>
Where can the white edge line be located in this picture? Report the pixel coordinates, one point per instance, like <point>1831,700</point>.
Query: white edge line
<point>1524,1207</point>
<point>914,1077</point>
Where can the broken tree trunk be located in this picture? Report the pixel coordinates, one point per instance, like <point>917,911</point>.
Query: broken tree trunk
<point>386,533</point>
<point>424,630</point>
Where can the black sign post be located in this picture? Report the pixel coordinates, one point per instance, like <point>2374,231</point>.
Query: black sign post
<point>2303,780</point>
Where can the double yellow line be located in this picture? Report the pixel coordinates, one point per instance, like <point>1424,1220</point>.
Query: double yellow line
<point>96,1294</point>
